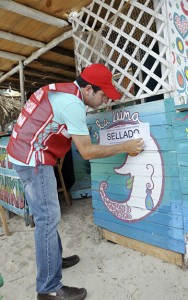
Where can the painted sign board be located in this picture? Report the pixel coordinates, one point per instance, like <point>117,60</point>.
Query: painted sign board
<point>11,190</point>
<point>139,196</point>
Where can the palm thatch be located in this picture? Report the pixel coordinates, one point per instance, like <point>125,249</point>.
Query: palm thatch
<point>9,109</point>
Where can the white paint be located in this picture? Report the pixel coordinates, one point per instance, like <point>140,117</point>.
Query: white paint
<point>146,171</point>
<point>32,13</point>
<point>20,39</point>
<point>11,56</point>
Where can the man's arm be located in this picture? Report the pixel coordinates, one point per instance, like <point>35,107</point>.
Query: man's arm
<point>90,151</point>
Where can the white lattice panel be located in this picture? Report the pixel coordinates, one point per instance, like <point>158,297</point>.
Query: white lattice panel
<point>130,37</point>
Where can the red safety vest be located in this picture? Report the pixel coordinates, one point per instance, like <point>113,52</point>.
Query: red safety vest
<point>36,114</point>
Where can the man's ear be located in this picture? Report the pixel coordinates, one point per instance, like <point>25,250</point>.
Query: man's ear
<point>88,89</point>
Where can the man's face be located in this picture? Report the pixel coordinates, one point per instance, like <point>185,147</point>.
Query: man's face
<point>93,99</point>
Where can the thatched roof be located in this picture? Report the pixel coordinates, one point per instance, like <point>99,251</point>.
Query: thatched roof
<point>9,109</point>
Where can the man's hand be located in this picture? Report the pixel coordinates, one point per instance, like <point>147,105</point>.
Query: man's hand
<point>134,147</point>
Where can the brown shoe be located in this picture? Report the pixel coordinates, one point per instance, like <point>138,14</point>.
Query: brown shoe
<point>70,261</point>
<point>65,293</point>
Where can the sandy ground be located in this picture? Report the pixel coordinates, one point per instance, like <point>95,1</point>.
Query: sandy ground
<point>108,271</point>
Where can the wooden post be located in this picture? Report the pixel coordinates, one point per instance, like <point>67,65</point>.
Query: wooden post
<point>4,221</point>
<point>63,189</point>
<point>22,83</point>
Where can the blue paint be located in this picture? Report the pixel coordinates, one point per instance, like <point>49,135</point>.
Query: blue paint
<point>180,133</point>
<point>170,170</point>
<point>15,210</point>
<point>146,225</point>
<point>8,172</point>
<point>165,242</point>
<point>170,205</point>
<point>182,159</point>
<point>149,200</point>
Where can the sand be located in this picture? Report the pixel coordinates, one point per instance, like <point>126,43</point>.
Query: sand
<point>108,271</point>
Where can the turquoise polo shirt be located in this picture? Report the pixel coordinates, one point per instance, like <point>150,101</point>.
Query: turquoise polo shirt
<point>67,109</point>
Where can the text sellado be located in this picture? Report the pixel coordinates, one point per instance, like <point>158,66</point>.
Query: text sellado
<point>120,135</point>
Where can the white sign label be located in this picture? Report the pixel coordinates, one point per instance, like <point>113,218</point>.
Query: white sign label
<point>122,133</point>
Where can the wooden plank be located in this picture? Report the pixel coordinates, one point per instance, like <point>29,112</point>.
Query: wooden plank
<point>182,159</point>
<point>160,115</point>
<point>155,121</point>
<point>11,208</point>
<point>180,119</point>
<point>169,157</point>
<point>167,205</point>
<point>171,183</point>
<point>180,132</point>
<point>165,242</point>
<point>32,13</point>
<point>63,188</point>
<point>170,170</point>
<point>168,218</point>
<point>163,254</point>
<point>122,190</point>
<point>147,228</point>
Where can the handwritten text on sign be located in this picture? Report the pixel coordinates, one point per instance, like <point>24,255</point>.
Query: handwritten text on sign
<point>123,133</point>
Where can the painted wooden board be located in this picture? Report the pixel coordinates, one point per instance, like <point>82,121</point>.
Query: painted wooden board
<point>165,242</point>
<point>154,229</point>
<point>172,219</point>
<point>11,190</point>
<point>137,169</point>
<point>141,197</point>
<point>172,184</point>
<point>174,206</point>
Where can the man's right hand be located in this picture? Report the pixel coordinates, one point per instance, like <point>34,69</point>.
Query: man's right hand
<point>133,147</point>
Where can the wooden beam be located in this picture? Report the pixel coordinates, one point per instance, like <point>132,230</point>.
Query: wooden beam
<point>32,13</point>
<point>33,43</point>
<point>63,51</point>
<point>33,72</point>
<point>8,74</point>
<point>20,39</point>
<point>166,255</point>
<point>11,56</point>
<point>49,46</point>
<point>15,86</point>
<point>50,64</point>
<point>39,52</point>
<point>4,221</point>
<point>22,91</point>
<point>32,80</point>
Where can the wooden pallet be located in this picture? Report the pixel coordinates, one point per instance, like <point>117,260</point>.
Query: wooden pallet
<point>163,254</point>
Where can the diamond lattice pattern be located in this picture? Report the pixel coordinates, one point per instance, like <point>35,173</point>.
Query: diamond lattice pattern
<point>130,37</point>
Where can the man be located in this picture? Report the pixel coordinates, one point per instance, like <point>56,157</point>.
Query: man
<point>52,117</point>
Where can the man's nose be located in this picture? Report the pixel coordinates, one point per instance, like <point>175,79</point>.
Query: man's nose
<point>105,99</point>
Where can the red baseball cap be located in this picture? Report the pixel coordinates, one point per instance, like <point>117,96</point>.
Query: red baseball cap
<point>100,75</point>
